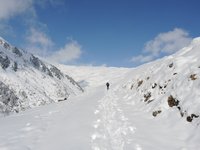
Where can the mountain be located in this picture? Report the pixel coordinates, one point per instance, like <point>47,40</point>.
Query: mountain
<point>170,83</point>
<point>27,81</point>
<point>152,107</point>
<point>94,76</point>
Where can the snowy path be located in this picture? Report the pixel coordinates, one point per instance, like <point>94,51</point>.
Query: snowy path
<point>96,120</point>
<point>111,126</point>
<point>102,125</point>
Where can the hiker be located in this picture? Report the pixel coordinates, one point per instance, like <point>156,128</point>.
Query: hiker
<point>107,85</point>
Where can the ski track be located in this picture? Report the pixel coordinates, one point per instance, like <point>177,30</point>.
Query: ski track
<point>112,128</point>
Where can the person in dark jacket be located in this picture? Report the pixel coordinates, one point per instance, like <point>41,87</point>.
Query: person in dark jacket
<point>107,85</point>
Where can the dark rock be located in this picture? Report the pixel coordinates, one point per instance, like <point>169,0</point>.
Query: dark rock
<point>5,62</point>
<point>140,83</point>
<point>179,108</point>
<point>56,72</point>
<point>194,116</point>
<point>35,61</point>
<point>38,64</point>
<point>17,51</point>
<point>6,45</point>
<point>147,96</point>
<point>154,85</point>
<point>155,113</point>
<point>149,101</point>
<point>60,100</point>
<point>189,119</point>
<point>8,98</point>
<point>15,66</point>
<point>74,82</point>
<point>193,77</point>
<point>171,65</point>
<point>172,101</point>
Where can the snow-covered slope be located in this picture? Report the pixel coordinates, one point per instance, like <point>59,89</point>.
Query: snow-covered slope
<point>92,77</point>
<point>27,81</point>
<point>170,84</point>
<point>152,107</point>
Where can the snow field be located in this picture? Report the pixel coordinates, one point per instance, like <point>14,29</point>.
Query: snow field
<point>98,120</point>
<point>120,118</point>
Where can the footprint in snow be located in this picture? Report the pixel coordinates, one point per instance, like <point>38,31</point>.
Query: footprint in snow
<point>132,129</point>
<point>28,124</point>
<point>52,112</point>
<point>130,97</point>
<point>138,147</point>
<point>27,129</point>
<point>126,96</point>
<point>95,136</point>
<point>96,124</point>
<point>96,112</point>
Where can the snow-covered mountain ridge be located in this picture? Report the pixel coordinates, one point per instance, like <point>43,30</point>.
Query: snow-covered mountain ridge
<point>27,81</point>
<point>152,107</point>
<point>170,86</point>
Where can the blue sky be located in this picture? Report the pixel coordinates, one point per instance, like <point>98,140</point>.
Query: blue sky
<point>121,33</point>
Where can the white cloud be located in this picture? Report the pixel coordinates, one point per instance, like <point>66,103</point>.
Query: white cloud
<point>10,8</point>
<point>38,37</point>
<point>25,9</point>
<point>41,44</point>
<point>141,58</point>
<point>53,3</point>
<point>38,42</point>
<point>72,51</point>
<point>164,44</point>
<point>168,42</point>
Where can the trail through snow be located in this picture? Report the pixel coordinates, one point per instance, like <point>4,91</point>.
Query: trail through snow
<point>111,127</point>
<point>119,118</point>
<point>96,120</point>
